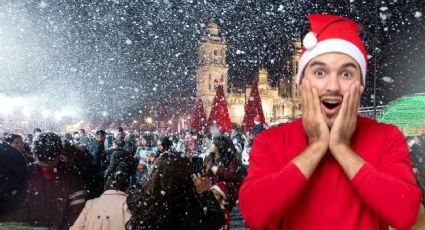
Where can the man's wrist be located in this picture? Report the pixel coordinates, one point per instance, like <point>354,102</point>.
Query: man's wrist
<point>318,147</point>
<point>339,148</point>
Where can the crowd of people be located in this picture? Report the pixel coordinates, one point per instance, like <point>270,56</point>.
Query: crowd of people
<point>417,155</point>
<point>121,179</point>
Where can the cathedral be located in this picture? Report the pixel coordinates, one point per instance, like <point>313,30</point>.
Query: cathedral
<point>280,104</point>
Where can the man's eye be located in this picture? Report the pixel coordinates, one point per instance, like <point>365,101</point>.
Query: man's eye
<point>347,74</point>
<point>319,73</point>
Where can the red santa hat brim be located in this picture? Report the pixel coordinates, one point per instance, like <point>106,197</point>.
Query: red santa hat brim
<point>330,46</point>
<point>219,190</point>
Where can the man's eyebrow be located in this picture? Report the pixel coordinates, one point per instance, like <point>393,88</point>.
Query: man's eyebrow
<point>350,64</point>
<point>316,63</point>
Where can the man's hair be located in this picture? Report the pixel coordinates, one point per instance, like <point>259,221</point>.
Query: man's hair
<point>100,132</point>
<point>165,142</point>
<point>37,130</point>
<point>120,143</point>
<point>225,148</point>
<point>48,146</point>
<point>119,180</point>
<point>9,138</point>
<point>169,191</point>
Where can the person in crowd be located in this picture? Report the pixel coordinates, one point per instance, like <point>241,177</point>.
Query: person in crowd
<point>190,143</point>
<point>82,161</point>
<point>164,144</point>
<point>100,162</point>
<point>13,181</point>
<point>172,199</point>
<point>120,134</point>
<point>223,166</point>
<point>84,139</point>
<point>142,156</point>
<point>36,132</point>
<point>109,140</point>
<point>28,142</point>
<point>246,150</point>
<point>16,141</point>
<point>418,156</point>
<point>199,142</point>
<point>110,210</point>
<point>55,193</point>
<point>119,154</point>
<point>332,169</point>
<point>258,126</point>
<point>235,134</point>
<point>221,195</point>
<point>181,144</point>
<point>131,143</point>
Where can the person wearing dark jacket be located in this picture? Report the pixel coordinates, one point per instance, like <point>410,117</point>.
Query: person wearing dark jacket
<point>13,178</point>
<point>120,155</point>
<point>100,162</point>
<point>223,166</point>
<point>173,200</point>
<point>13,186</point>
<point>55,194</point>
<point>258,126</point>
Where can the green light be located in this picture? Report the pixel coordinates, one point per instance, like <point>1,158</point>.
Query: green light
<point>408,113</point>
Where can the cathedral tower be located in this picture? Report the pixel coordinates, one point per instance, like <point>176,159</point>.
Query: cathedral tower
<point>294,70</point>
<point>212,66</point>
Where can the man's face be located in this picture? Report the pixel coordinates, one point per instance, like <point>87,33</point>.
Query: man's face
<point>217,195</point>
<point>18,144</point>
<point>101,137</point>
<point>332,74</point>
<point>159,145</point>
<point>213,148</point>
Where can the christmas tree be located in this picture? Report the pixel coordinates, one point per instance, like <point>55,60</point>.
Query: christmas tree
<point>253,108</point>
<point>219,115</point>
<point>199,121</point>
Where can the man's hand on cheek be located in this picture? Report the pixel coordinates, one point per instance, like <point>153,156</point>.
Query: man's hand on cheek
<point>314,123</point>
<point>345,122</point>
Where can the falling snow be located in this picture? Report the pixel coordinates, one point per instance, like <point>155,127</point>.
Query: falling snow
<point>109,59</point>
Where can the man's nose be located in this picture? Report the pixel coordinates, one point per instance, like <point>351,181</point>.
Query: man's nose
<point>332,84</point>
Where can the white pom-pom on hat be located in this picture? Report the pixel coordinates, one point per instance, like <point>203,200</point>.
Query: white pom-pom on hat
<point>310,41</point>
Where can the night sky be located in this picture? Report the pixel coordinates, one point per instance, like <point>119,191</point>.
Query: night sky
<point>125,56</point>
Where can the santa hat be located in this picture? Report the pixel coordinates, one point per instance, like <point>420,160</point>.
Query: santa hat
<point>221,188</point>
<point>330,33</point>
<point>257,119</point>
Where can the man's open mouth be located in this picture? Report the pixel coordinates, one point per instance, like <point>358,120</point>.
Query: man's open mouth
<point>331,104</point>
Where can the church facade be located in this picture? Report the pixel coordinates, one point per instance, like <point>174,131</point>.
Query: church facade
<point>280,104</point>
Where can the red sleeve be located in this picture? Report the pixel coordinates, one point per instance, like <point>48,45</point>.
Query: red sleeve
<point>269,189</point>
<point>390,190</point>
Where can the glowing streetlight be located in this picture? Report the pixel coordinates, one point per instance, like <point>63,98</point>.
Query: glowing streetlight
<point>45,113</point>
<point>26,111</point>
<point>135,122</point>
<point>170,122</point>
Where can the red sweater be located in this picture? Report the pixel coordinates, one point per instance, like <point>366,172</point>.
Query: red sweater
<point>277,195</point>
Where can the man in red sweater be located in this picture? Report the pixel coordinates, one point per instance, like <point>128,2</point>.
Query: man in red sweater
<point>332,169</point>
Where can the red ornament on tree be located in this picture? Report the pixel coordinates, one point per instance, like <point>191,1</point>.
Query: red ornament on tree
<point>219,115</point>
<point>199,120</point>
<point>253,108</point>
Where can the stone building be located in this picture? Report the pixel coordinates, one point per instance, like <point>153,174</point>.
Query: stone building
<point>280,104</point>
